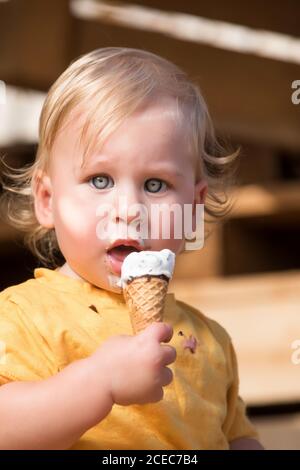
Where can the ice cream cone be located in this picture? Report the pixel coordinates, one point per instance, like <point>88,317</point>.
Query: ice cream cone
<point>144,279</point>
<point>145,297</point>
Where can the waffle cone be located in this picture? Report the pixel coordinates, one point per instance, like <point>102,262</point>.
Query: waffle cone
<point>145,297</point>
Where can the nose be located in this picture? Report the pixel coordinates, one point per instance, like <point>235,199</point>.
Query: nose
<point>128,205</point>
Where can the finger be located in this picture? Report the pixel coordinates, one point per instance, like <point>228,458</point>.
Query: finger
<point>169,355</point>
<point>153,397</point>
<point>167,377</point>
<point>160,331</point>
<point>157,395</point>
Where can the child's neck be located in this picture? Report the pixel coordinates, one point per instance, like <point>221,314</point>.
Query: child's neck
<point>67,271</point>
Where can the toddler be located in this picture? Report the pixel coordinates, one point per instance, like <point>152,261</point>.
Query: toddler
<point>116,123</point>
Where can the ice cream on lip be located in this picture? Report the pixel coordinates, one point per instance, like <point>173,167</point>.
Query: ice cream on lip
<point>147,263</point>
<point>118,250</point>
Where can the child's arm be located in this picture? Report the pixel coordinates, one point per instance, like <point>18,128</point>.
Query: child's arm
<point>245,444</point>
<point>54,413</point>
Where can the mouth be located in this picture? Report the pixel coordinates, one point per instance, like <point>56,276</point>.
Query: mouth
<point>120,252</point>
<point>117,253</point>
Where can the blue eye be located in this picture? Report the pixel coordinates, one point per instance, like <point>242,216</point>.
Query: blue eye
<point>154,185</point>
<point>101,181</point>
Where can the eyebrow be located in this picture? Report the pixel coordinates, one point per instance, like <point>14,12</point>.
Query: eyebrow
<point>95,162</point>
<point>158,168</point>
<point>165,170</point>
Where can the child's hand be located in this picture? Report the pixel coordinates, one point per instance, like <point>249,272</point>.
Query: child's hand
<point>135,366</point>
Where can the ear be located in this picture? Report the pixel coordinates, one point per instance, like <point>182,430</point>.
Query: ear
<point>200,193</point>
<point>42,191</point>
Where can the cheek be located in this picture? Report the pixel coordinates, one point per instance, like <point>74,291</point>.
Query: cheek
<point>166,221</point>
<point>174,245</point>
<point>74,217</point>
<point>175,219</point>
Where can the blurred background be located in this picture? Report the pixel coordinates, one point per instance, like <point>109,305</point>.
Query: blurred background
<point>246,58</point>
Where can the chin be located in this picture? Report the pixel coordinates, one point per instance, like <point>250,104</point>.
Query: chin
<point>116,290</point>
<point>112,284</point>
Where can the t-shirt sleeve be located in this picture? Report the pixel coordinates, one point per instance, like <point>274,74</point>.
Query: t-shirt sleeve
<point>23,352</point>
<point>237,425</point>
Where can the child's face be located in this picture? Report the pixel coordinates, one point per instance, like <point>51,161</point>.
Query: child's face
<point>145,161</point>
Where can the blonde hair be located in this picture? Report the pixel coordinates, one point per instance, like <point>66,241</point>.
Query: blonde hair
<point>111,83</point>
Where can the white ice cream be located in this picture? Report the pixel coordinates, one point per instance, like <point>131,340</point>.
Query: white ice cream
<point>142,263</point>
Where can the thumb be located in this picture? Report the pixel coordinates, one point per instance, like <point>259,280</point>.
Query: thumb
<point>160,331</point>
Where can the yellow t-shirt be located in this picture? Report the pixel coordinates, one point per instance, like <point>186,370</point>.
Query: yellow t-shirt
<point>51,320</point>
